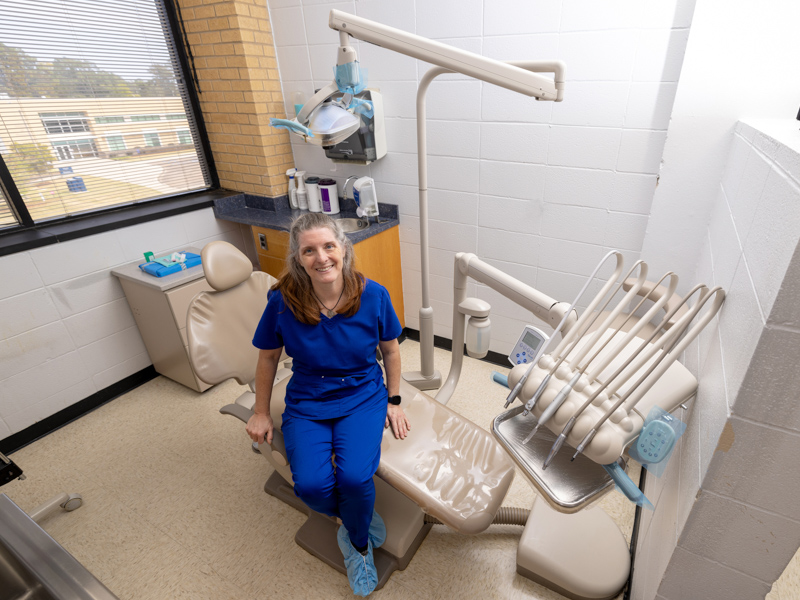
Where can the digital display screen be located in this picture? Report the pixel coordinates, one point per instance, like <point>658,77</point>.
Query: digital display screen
<point>531,340</point>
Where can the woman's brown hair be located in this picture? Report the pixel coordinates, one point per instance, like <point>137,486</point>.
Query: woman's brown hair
<point>295,284</point>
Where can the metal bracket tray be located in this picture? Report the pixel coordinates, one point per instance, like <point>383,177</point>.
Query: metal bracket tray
<point>568,486</point>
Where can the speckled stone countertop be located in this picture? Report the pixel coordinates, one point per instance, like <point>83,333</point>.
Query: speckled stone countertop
<point>276,213</point>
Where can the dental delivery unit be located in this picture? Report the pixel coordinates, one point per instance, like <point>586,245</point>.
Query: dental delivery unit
<point>600,391</point>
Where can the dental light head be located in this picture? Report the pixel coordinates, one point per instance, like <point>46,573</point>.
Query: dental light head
<point>332,114</point>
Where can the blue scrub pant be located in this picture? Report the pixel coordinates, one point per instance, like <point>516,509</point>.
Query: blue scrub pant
<point>346,491</point>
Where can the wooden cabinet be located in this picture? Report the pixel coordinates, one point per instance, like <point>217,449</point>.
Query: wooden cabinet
<point>378,257</point>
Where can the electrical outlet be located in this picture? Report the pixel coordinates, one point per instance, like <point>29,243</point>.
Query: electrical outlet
<point>262,241</point>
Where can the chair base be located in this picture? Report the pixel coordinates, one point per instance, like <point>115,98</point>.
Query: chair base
<point>317,535</point>
<point>582,556</point>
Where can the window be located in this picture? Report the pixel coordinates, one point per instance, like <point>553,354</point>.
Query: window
<point>64,123</point>
<point>115,142</point>
<point>152,139</point>
<point>67,71</point>
<point>75,149</point>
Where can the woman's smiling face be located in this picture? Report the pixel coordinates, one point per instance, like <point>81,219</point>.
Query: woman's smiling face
<point>321,255</point>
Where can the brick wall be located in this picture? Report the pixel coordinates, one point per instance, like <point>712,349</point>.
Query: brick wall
<point>237,71</point>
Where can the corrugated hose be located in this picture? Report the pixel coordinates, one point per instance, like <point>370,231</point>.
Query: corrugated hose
<point>507,515</point>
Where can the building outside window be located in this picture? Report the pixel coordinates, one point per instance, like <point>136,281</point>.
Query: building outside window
<point>65,83</point>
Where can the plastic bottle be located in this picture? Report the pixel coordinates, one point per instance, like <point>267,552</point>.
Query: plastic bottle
<point>292,187</point>
<point>366,197</point>
<point>314,202</point>
<point>302,193</point>
<point>329,193</point>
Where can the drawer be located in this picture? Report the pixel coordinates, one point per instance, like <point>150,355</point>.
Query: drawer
<point>180,297</point>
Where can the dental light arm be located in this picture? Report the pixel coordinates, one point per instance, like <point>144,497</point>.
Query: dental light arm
<point>499,73</point>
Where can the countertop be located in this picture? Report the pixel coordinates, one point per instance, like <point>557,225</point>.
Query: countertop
<point>276,213</point>
<point>132,272</point>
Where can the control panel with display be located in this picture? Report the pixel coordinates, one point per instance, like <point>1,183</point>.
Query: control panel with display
<point>529,343</point>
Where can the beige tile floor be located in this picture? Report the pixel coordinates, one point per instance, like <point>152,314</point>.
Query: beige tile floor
<point>174,506</point>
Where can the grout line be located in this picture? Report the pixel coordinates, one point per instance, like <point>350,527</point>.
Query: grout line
<point>711,560</point>
<point>762,424</point>
<point>745,504</point>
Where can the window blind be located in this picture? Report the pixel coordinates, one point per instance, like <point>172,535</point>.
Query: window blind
<point>94,111</point>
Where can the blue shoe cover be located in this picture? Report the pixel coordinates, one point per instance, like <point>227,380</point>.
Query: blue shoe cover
<point>361,571</point>
<point>377,530</point>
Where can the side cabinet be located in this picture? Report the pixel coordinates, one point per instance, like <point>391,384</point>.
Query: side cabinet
<point>159,308</point>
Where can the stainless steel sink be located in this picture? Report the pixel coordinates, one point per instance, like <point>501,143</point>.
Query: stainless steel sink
<point>351,225</point>
<point>33,566</point>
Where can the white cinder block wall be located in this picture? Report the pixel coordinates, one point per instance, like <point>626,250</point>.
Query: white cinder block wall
<point>728,520</point>
<point>66,330</point>
<point>540,190</point>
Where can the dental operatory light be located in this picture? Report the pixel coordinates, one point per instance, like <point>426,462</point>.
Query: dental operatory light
<point>519,76</point>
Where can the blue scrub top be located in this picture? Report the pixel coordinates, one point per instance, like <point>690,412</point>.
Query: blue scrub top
<point>334,365</point>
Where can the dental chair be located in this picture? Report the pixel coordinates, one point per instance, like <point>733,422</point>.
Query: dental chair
<point>450,471</point>
<point>447,468</point>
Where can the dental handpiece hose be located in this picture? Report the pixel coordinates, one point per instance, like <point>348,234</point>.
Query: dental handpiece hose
<point>677,344</point>
<point>583,329</point>
<point>515,391</point>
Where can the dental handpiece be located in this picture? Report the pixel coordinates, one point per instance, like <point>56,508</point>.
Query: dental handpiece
<point>584,328</point>
<point>516,389</point>
<point>645,318</point>
<point>677,344</point>
<point>612,381</point>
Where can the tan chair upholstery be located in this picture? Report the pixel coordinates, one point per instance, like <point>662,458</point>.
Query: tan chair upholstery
<point>221,324</point>
<point>449,466</point>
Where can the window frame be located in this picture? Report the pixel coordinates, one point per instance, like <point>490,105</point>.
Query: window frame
<point>28,234</point>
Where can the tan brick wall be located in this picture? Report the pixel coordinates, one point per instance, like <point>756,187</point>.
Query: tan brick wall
<point>237,71</point>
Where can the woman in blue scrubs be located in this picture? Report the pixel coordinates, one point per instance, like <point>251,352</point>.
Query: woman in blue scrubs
<point>330,319</point>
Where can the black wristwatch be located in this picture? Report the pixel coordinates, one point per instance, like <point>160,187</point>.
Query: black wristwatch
<point>394,400</point>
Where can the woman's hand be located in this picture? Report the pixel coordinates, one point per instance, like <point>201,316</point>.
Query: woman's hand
<point>259,428</point>
<point>398,420</point>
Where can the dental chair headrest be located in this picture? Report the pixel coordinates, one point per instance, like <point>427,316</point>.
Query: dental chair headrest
<point>225,265</point>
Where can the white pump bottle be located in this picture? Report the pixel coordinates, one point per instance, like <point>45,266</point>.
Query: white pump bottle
<point>302,193</point>
<point>292,188</point>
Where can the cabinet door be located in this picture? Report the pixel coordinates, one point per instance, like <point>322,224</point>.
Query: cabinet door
<point>378,258</point>
<point>273,258</point>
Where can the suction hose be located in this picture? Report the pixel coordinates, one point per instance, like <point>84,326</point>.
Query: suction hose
<point>507,515</point>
